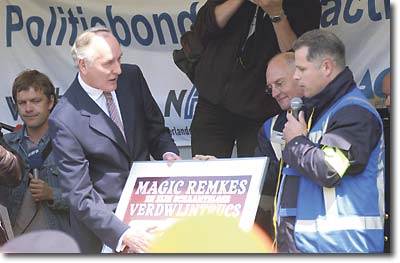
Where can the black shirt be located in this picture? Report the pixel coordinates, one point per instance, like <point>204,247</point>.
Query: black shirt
<point>235,78</point>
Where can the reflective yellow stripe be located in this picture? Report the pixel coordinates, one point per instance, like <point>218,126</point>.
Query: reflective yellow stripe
<point>336,158</point>
<point>274,218</point>
<point>309,123</point>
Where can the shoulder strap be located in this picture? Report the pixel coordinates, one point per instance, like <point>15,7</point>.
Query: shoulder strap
<point>273,136</point>
<point>46,151</point>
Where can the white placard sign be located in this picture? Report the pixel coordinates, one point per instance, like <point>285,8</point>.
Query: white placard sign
<point>160,195</point>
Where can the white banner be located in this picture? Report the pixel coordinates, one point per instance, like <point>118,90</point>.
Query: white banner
<point>38,34</point>
<point>364,27</point>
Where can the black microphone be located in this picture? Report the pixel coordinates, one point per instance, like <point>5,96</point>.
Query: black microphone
<point>35,162</point>
<point>295,105</point>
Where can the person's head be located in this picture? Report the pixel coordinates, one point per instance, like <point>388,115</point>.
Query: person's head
<point>97,54</point>
<point>280,82</point>
<point>386,90</point>
<point>319,58</point>
<point>35,97</point>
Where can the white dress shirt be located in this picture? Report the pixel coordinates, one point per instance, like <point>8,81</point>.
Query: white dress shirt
<point>98,97</point>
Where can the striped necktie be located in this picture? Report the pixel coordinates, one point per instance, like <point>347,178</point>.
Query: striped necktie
<point>112,109</point>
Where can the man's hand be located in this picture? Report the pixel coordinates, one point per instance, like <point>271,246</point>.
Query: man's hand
<point>293,127</point>
<point>137,240</point>
<point>40,190</point>
<point>3,153</point>
<point>271,7</point>
<point>200,157</point>
<point>171,158</point>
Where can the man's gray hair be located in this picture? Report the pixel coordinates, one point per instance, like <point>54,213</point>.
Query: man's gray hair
<point>82,46</point>
<point>322,44</point>
<point>288,57</point>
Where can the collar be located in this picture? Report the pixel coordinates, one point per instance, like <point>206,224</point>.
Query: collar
<point>339,86</point>
<point>21,134</point>
<point>18,135</point>
<point>93,93</point>
<point>45,138</point>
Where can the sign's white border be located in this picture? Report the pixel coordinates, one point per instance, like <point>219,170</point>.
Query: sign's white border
<point>255,167</point>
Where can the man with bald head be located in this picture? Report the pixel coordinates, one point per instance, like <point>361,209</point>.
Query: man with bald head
<point>106,120</point>
<point>283,87</point>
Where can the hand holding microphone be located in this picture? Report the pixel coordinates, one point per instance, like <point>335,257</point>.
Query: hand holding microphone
<point>40,189</point>
<point>296,124</point>
<point>35,162</point>
<point>295,105</point>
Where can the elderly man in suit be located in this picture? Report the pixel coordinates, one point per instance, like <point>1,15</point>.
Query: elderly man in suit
<point>106,120</point>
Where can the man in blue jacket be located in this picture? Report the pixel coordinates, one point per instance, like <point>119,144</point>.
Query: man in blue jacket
<point>334,157</point>
<point>36,203</point>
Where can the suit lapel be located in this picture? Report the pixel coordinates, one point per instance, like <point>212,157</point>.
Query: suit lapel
<point>98,120</point>
<point>127,107</point>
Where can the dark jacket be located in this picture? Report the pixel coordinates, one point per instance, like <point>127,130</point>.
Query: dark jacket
<point>227,76</point>
<point>353,129</point>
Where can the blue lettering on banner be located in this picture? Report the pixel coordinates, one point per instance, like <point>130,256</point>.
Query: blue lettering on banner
<point>378,83</point>
<point>173,100</point>
<point>74,19</point>
<point>330,16</point>
<point>373,90</point>
<point>191,103</point>
<point>177,102</point>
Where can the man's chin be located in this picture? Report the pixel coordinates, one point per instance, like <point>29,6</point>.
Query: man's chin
<point>284,105</point>
<point>32,126</point>
<point>110,88</point>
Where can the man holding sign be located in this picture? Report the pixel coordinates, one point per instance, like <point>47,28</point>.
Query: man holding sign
<point>106,120</point>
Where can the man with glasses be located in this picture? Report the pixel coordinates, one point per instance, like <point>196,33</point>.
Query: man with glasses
<point>282,87</point>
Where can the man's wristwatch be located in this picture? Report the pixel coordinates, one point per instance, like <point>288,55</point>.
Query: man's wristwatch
<point>276,19</point>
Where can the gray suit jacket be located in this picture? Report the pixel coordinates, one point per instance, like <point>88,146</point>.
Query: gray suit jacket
<point>94,159</point>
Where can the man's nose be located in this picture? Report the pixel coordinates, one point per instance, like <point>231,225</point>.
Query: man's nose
<point>29,106</point>
<point>117,68</point>
<point>275,92</point>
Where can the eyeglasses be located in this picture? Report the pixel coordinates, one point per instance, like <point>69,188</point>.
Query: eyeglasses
<point>279,85</point>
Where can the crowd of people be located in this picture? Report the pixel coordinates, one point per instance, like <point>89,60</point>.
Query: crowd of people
<point>328,172</point>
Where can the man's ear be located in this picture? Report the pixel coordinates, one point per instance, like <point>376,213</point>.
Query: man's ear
<point>82,65</point>
<point>51,102</point>
<point>328,67</point>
